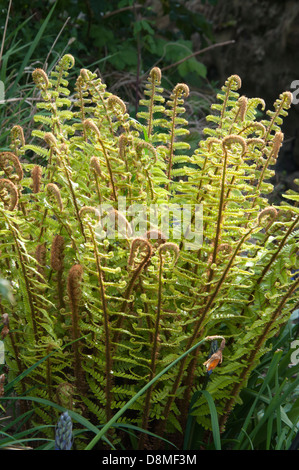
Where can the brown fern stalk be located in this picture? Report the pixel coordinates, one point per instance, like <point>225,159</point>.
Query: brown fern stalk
<point>40,255</point>
<point>222,202</point>
<point>280,247</point>
<point>97,172</point>
<point>36,175</point>
<point>123,143</point>
<point>238,83</point>
<point>231,139</point>
<point>277,142</point>
<point>79,83</point>
<point>74,198</point>
<point>199,188</point>
<point>42,225</point>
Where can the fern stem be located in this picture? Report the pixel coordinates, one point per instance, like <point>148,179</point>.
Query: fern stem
<point>103,102</point>
<point>276,115</point>
<point>135,275</point>
<point>220,211</point>
<point>73,198</point>
<point>171,145</point>
<point>108,355</point>
<point>151,104</point>
<point>98,187</point>
<point>226,97</point>
<point>280,247</point>
<point>154,354</point>
<point>92,126</point>
<point>64,223</point>
<point>81,106</point>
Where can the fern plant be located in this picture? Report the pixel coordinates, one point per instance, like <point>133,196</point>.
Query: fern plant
<point>131,300</point>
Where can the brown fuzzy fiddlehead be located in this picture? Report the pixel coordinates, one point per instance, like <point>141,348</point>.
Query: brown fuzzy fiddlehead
<point>41,79</point>
<point>57,264</point>
<point>11,166</point>
<point>40,255</point>
<point>139,244</point>
<point>54,191</point>
<point>95,165</point>
<point>57,253</point>
<point>74,289</point>
<point>117,105</point>
<point>36,175</point>
<point>8,194</point>
<point>17,137</point>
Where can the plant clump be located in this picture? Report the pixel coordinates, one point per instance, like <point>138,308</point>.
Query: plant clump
<point>111,308</point>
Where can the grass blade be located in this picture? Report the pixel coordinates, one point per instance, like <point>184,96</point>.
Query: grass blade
<point>32,48</point>
<point>271,371</point>
<point>214,419</point>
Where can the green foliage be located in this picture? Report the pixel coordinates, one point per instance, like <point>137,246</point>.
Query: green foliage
<point>122,37</point>
<point>268,416</point>
<point>115,311</point>
<point>16,58</point>
<point>127,34</point>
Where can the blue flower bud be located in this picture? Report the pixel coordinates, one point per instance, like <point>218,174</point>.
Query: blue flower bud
<point>63,434</point>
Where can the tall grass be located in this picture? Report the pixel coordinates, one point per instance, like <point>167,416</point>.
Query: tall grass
<point>16,66</point>
<point>268,417</point>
